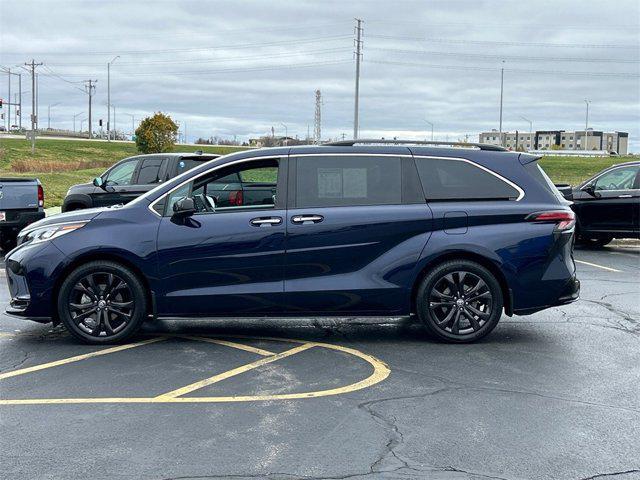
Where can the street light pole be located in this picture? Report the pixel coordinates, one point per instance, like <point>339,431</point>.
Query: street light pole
<point>49,114</point>
<point>586,125</point>
<point>501,93</point>
<point>133,124</point>
<point>286,133</point>
<point>74,120</point>
<point>427,121</point>
<point>109,97</point>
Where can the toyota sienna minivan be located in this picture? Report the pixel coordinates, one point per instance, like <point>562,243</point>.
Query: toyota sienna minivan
<point>455,235</point>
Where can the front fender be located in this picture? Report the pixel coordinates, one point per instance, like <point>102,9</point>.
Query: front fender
<point>77,199</point>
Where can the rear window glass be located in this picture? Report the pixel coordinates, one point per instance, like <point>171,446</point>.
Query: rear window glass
<point>461,180</point>
<point>348,180</point>
<point>185,164</point>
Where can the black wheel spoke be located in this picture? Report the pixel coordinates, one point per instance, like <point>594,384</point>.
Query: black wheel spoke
<point>460,302</point>
<point>111,305</point>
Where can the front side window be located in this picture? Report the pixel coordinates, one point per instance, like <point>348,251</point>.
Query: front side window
<point>149,173</point>
<point>452,180</point>
<point>617,179</point>
<point>343,180</point>
<point>249,185</point>
<point>122,174</point>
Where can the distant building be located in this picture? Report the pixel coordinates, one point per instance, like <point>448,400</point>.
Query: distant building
<point>268,141</point>
<point>559,140</point>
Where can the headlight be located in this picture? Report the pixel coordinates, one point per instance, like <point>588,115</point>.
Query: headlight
<point>48,232</point>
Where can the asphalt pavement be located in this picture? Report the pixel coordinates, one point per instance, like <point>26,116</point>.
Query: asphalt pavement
<point>555,395</point>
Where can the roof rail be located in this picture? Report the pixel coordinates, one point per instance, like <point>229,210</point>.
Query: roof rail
<point>351,143</point>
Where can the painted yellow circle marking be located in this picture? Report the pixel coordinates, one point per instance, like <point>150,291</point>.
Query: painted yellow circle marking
<point>380,372</point>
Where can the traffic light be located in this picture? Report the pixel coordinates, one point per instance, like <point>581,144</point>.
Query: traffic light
<point>100,122</point>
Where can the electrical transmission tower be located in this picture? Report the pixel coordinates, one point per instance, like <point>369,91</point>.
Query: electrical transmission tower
<point>90,88</point>
<point>317,127</point>
<point>358,53</point>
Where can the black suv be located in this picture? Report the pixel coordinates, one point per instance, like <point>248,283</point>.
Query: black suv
<point>130,178</point>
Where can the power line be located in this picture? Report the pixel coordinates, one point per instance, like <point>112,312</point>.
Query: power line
<point>505,57</point>
<point>198,49</point>
<point>511,70</point>
<point>510,44</point>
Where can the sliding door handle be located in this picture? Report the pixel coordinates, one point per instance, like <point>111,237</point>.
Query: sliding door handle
<point>265,221</point>
<point>307,218</point>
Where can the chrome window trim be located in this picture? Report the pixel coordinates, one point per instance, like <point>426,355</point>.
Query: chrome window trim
<point>459,159</point>
<point>206,172</point>
<point>346,154</point>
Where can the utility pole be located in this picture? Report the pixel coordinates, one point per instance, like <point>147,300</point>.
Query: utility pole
<point>90,88</point>
<point>356,114</point>
<point>74,120</point>
<point>317,130</point>
<point>286,133</point>
<point>20,100</point>
<point>115,126</point>
<point>34,114</point>
<point>109,97</point>
<point>9,101</point>
<point>501,92</point>
<point>586,125</point>
<point>427,121</point>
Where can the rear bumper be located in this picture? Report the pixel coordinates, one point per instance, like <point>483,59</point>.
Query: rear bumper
<point>569,294</point>
<point>17,220</point>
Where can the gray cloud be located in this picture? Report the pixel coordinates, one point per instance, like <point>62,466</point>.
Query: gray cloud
<point>240,67</point>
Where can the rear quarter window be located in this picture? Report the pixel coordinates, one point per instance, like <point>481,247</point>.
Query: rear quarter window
<point>453,179</point>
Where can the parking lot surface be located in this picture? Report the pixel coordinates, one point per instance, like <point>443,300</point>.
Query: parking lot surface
<point>555,395</point>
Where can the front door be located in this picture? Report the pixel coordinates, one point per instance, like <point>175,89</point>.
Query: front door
<point>224,260</point>
<point>352,239</point>
<point>611,204</point>
<point>118,184</point>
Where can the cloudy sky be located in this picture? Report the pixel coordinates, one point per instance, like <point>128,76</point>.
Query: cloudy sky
<point>228,68</point>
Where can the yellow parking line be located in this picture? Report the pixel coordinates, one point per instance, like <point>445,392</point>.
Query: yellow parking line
<point>236,371</point>
<point>78,358</point>
<point>239,346</point>
<point>608,269</point>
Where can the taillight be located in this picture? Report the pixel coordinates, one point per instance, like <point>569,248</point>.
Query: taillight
<point>235,198</point>
<point>40,196</point>
<point>564,219</point>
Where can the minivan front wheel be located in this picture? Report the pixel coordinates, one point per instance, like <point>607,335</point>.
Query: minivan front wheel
<point>459,301</point>
<point>102,302</point>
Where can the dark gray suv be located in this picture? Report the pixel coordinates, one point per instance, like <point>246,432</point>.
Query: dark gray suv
<point>130,178</point>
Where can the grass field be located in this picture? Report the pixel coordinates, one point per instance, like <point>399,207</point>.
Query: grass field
<point>62,163</point>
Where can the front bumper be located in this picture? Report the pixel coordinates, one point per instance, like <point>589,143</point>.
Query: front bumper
<point>30,270</point>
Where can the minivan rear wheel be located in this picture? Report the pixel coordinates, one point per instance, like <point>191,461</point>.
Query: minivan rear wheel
<point>102,302</point>
<point>459,301</point>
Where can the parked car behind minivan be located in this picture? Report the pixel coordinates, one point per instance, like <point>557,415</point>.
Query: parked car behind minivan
<point>456,236</point>
<point>130,178</point>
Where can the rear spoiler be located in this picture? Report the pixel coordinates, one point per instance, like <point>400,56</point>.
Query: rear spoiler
<point>526,158</point>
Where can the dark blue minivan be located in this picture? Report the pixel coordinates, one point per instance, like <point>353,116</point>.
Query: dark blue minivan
<point>455,235</point>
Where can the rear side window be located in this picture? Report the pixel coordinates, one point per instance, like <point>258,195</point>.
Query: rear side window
<point>335,181</point>
<point>185,164</point>
<point>452,180</point>
<point>149,173</point>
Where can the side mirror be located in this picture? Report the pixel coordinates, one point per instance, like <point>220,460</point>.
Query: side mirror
<point>98,182</point>
<point>185,207</point>
<point>590,189</point>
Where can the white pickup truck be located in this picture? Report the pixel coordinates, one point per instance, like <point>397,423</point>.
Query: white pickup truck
<point>21,203</point>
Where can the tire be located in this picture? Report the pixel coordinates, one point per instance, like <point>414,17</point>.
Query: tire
<point>8,242</point>
<point>451,316</point>
<point>108,296</point>
<point>596,242</point>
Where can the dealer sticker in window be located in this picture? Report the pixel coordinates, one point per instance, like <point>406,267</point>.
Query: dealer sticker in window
<point>329,182</point>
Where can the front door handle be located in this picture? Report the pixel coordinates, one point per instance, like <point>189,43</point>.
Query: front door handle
<point>307,218</point>
<point>265,221</point>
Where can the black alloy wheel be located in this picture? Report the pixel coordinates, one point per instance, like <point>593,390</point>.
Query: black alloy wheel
<point>460,301</point>
<point>102,302</point>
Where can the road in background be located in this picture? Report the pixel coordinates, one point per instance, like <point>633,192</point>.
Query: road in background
<point>550,396</point>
